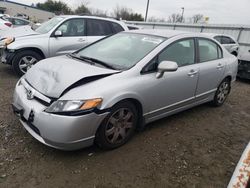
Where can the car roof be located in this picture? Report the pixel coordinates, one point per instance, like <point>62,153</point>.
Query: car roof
<point>159,32</point>
<point>85,16</point>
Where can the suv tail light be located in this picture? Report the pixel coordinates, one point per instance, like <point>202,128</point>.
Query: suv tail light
<point>8,24</point>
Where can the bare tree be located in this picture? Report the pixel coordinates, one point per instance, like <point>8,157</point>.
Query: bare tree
<point>121,12</point>
<point>98,12</point>
<point>82,9</point>
<point>154,19</point>
<point>126,14</point>
<point>197,17</point>
<point>175,18</point>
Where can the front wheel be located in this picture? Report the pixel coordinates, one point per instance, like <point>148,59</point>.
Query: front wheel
<point>222,92</point>
<point>24,60</point>
<point>118,127</point>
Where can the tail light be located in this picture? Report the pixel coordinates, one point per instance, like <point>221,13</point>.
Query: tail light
<point>8,24</point>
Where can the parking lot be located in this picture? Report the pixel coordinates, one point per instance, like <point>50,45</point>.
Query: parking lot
<point>196,148</point>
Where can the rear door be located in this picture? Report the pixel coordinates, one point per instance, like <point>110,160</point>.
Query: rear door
<point>211,66</point>
<point>73,38</point>
<point>97,29</point>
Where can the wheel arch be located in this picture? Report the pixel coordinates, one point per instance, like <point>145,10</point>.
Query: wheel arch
<point>35,49</point>
<point>228,77</point>
<point>136,102</point>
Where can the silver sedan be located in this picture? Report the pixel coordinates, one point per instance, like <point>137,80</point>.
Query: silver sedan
<point>106,91</point>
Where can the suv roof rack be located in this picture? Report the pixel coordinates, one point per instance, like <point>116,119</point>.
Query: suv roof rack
<point>88,14</point>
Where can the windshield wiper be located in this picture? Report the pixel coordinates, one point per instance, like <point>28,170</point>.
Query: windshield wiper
<point>91,61</point>
<point>94,61</point>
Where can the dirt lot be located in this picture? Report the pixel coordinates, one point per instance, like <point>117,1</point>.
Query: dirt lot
<point>196,148</point>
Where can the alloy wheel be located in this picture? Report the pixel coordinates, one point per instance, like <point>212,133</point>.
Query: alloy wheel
<point>26,63</point>
<point>119,125</point>
<point>223,92</point>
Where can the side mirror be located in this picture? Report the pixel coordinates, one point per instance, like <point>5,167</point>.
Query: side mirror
<point>166,66</point>
<point>58,33</point>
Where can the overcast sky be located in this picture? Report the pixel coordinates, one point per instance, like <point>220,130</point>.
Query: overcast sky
<point>218,11</point>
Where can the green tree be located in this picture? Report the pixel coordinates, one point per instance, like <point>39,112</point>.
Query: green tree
<point>82,9</point>
<point>126,14</point>
<point>58,7</point>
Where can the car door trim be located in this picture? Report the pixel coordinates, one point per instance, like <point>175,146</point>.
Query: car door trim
<point>178,105</point>
<point>169,106</point>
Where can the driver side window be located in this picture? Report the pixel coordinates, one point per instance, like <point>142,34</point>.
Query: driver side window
<point>73,27</point>
<point>181,52</point>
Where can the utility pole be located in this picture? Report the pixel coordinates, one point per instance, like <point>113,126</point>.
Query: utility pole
<point>147,11</point>
<point>182,14</point>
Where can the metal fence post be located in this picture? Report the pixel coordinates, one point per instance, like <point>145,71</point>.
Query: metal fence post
<point>240,32</point>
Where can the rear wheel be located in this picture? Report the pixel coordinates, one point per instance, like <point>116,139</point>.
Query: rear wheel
<point>24,60</point>
<point>118,127</point>
<point>222,92</point>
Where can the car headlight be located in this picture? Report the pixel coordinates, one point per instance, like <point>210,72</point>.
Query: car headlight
<point>62,106</point>
<point>8,40</point>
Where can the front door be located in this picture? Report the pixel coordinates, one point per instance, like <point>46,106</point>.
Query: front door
<point>175,89</point>
<point>73,37</point>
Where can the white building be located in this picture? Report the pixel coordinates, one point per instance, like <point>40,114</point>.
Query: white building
<point>35,14</point>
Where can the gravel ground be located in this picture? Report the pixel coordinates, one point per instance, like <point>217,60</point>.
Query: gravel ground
<point>196,148</point>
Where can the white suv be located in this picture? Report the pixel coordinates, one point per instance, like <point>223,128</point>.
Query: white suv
<point>58,36</point>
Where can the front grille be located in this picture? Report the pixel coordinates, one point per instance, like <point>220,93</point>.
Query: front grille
<point>41,101</point>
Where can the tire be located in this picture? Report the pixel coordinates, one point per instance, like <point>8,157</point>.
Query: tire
<point>118,127</point>
<point>222,93</point>
<point>27,59</point>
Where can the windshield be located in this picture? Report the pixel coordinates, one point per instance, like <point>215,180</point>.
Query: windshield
<point>123,50</point>
<point>47,26</point>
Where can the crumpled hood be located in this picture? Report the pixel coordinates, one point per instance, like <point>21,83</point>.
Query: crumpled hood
<point>53,76</point>
<point>21,31</point>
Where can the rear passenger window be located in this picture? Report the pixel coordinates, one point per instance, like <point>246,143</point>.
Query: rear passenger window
<point>225,40</point>
<point>98,28</point>
<point>218,38</point>
<point>116,27</point>
<point>209,50</point>
<point>181,52</point>
<point>73,28</point>
<point>231,41</point>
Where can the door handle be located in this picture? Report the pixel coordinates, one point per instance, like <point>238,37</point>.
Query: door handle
<point>220,66</point>
<point>192,73</point>
<point>81,40</point>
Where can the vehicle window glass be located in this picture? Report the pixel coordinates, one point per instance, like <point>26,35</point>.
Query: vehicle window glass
<point>181,52</point>
<point>218,38</point>
<point>225,40</point>
<point>19,22</point>
<point>122,50</point>
<point>208,50</point>
<point>98,28</point>
<point>219,53</point>
<point>47,26</point>
<point>231,41</point>
<point>73,27</point>
<point>116,27</point>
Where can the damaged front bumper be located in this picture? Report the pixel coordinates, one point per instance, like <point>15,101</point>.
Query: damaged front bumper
<point>57,131</point>
<point>7,56</point>
<point>244,69</point>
